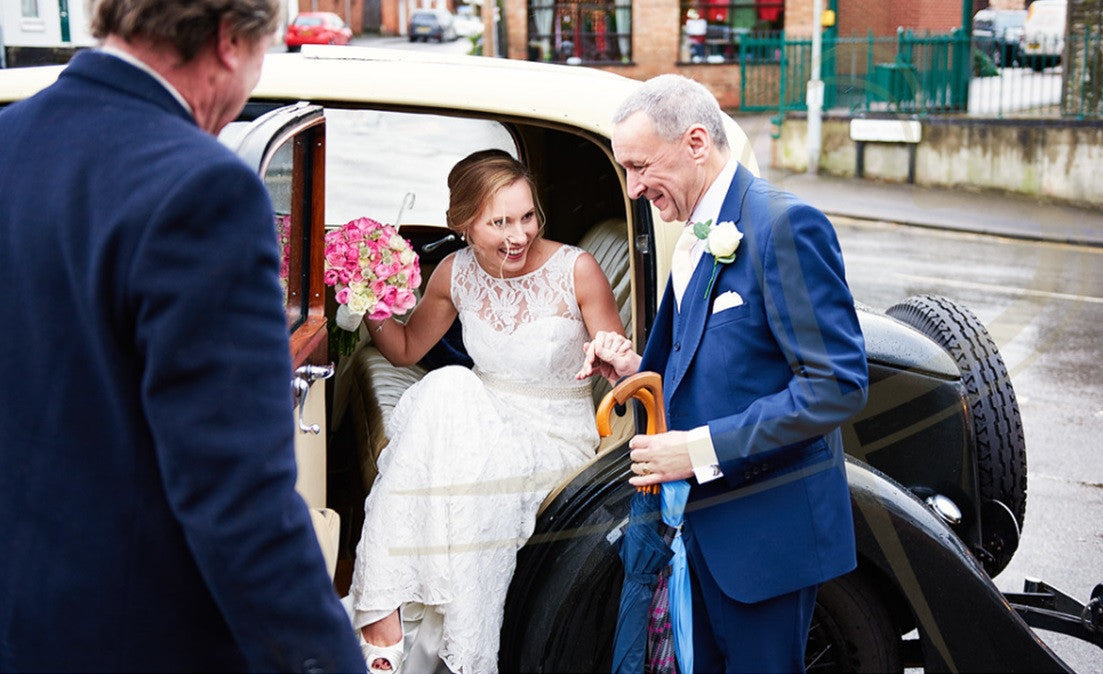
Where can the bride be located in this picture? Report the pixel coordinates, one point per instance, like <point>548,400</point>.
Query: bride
<point>473,452</point>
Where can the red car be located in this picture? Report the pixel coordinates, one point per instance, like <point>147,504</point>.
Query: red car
<point>316,28</point>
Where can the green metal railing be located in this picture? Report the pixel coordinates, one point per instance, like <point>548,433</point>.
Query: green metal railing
<point>924,74</point>
<point>773,72</point>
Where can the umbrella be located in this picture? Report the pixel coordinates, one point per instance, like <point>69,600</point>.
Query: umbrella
<point>644,553</point>
<point>643,550</point>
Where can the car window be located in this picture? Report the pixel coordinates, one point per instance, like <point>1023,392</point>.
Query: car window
<point>308,20</point>
<point>288,165</point>
<point>376,159</point>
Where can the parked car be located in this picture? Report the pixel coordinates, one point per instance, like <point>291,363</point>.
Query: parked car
<point>997,33</point>
<point>936,460</point>
<point>432,24</point>
<point>316,28</point>
<point>1043,39</point>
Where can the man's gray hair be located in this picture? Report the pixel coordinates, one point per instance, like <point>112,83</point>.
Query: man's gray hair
<point>186,25</point>
<point>674,103</point>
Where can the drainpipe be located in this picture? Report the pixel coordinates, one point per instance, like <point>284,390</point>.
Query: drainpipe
<point>814,95</point>
<point>490,32</point>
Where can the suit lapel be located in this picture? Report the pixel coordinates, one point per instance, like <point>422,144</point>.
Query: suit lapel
<point>695,302</point>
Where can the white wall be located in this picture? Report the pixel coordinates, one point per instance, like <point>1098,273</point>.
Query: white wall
<point>45,29</point>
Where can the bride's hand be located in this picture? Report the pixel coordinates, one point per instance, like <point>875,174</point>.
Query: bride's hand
<point>610,355</point>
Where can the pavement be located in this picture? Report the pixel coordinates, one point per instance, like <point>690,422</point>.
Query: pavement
<point>962,209</point>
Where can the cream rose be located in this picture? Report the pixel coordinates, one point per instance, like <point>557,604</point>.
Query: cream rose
<point>723,240</point>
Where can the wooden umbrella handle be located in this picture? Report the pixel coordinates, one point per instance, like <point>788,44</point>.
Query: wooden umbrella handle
<point>647,387</point>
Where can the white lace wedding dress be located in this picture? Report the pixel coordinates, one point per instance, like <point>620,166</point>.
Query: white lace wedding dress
<point>473,453</point>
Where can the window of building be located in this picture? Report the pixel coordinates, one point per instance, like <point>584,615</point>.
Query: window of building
<point>714,31</point>
<point>30,9</point>
<point>566,31</point>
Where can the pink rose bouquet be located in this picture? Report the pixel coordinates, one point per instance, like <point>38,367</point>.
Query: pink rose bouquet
<point>374,272</point>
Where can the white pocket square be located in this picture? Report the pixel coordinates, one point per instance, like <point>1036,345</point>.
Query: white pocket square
<point>726,300</point>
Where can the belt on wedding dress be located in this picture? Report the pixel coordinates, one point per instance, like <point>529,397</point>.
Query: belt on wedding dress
<point>534,390</point>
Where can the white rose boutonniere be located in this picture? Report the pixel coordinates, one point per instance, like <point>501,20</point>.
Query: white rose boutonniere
<point>722,242</point>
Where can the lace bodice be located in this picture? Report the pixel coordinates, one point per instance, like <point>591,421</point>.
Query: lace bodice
<point>527,329</point>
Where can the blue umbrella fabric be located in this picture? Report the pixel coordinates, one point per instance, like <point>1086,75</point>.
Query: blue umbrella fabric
<point>675,495</point>
<point>644,553</point>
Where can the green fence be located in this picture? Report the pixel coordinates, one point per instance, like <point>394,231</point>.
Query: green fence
<point>924,74</point>
<point>907,73</point>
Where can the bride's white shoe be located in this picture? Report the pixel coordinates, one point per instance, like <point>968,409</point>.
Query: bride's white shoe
<point>393,654</point>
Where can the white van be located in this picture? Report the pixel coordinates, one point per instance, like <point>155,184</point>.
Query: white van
<point>1043,38</point>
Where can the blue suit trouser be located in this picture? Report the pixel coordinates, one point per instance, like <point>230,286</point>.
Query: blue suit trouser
<point>731,636</point>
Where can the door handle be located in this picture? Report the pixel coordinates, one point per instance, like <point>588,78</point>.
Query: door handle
<point>300,388</point>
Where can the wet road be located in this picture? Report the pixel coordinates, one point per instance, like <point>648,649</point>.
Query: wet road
<point>1043,305</point>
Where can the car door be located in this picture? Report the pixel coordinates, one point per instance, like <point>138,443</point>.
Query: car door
<point>286,147</point>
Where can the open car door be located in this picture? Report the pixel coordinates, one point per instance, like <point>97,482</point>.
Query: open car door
<point>286,147</point>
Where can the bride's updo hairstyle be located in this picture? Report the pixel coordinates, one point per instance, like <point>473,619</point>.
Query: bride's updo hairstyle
<point>474,181</point>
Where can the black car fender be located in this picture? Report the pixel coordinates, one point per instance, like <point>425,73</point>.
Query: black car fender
<point>964,621</point>
<point>561,609</point>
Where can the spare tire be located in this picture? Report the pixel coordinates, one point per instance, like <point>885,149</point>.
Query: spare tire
<point>997,426</point>
<point>561,611</point>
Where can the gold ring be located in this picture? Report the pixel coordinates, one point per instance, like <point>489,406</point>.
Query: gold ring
<point>644,469</point>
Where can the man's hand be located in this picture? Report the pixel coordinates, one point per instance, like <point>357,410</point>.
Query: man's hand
<point>610,355</point>
<point>663,457</point>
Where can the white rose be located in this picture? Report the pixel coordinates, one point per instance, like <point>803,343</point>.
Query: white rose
<point>359,302</point>
<point>397,242</point>
<point>723,240</point>
<point>407,257</point>
<point>347,320</point>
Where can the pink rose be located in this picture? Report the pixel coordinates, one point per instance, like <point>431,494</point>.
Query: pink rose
<point>330,277</point>
<point>413,273</point>
<point>387,297</point>
<point>342,296</point>
<point>404,301</point>
<point>336,253</point>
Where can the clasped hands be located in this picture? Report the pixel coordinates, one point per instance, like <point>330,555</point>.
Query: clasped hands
<point>663,457</point>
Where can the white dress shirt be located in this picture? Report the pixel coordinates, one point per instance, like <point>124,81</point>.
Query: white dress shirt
<point>687,254</point>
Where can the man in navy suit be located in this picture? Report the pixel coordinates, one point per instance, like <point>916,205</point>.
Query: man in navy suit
<point>147,501</point>
<point>762,360</point>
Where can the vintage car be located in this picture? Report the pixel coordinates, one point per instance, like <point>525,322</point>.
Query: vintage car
<point>936,460</point>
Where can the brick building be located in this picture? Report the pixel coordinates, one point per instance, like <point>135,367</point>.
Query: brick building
<point>643,38</point>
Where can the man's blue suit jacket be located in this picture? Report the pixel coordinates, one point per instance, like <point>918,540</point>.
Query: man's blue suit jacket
<point>147,506</point>
<point>773,378</point>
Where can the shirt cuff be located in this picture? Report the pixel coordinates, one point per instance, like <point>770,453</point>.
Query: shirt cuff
<point>706,467</point>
